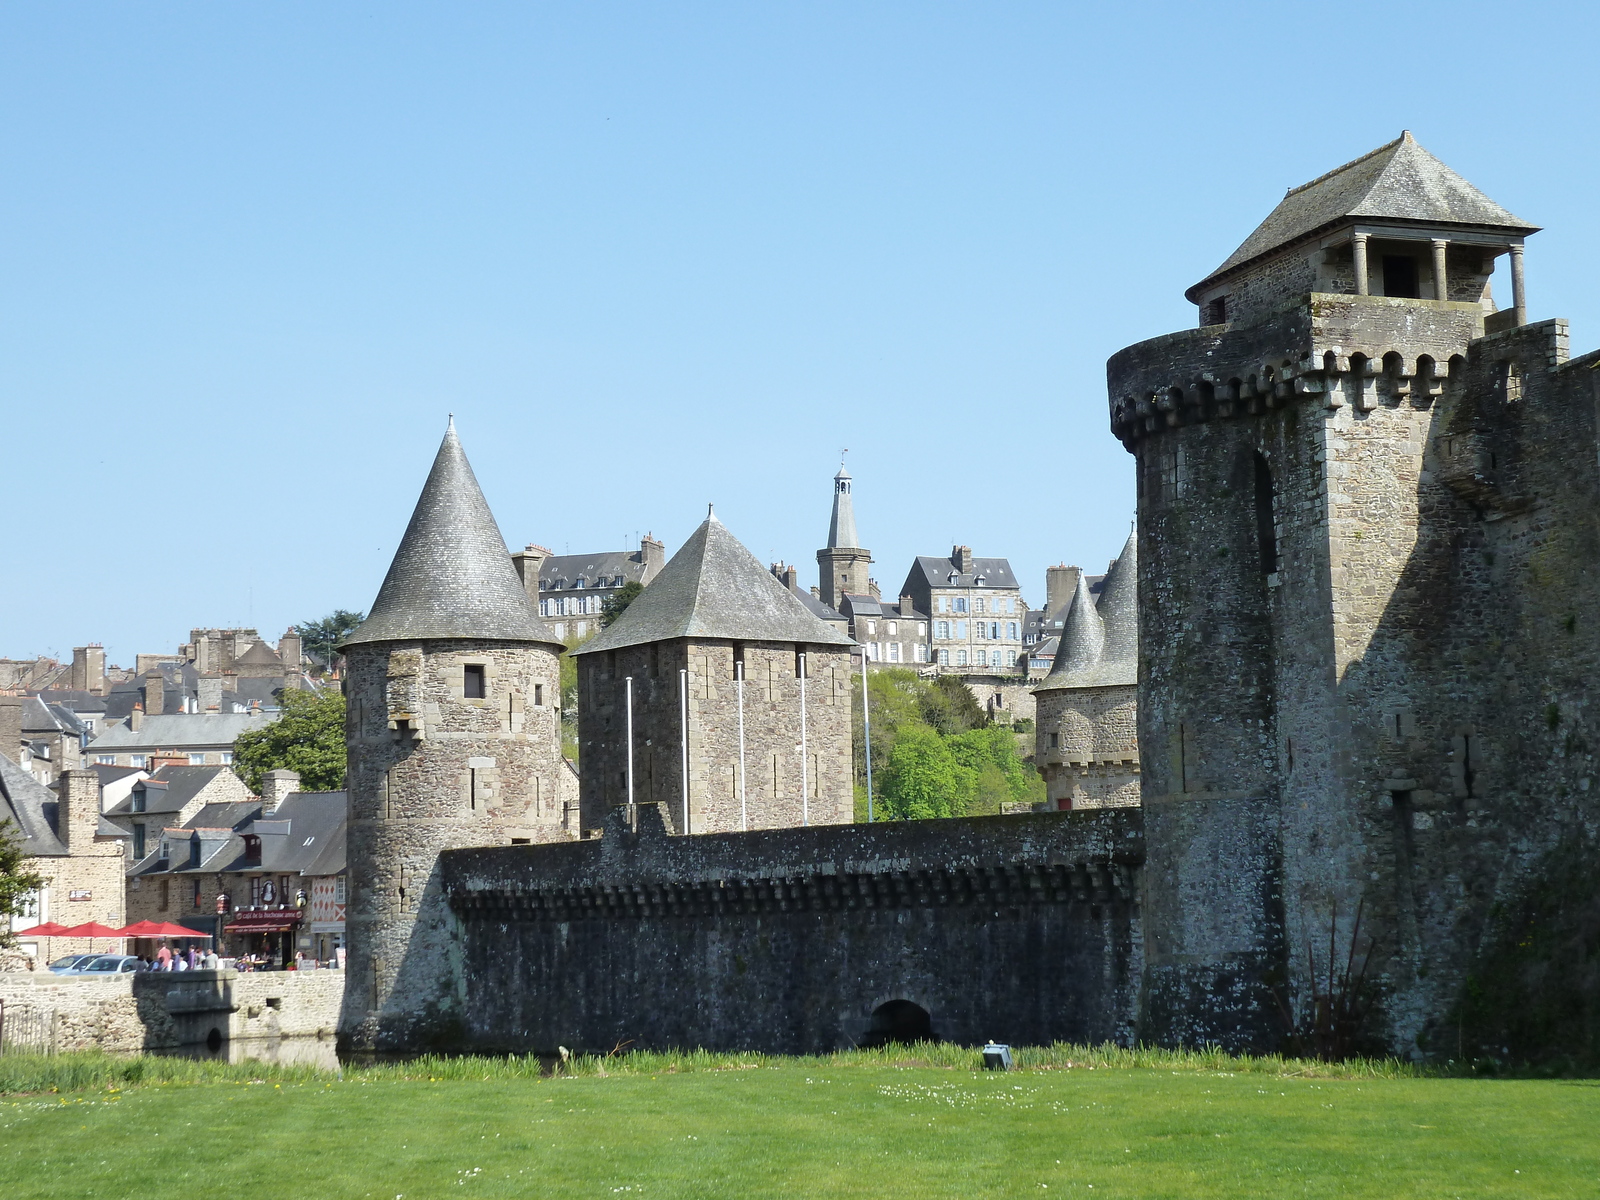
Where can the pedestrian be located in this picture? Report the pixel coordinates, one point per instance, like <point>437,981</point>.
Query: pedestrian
<point>210,962</point>
<point>164,958</point>
<point>194,957</point>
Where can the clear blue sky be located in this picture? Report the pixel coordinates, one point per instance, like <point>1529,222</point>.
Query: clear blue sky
<point>655,254</point>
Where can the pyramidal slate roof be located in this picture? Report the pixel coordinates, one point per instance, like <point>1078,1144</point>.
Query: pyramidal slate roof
<point>1100,643</point>
<point>714,588</point>
<point>842,528</point>
<point>1399,181</point>
<point>452,576</point>
<point>31,809</point>
<point>260,655</point>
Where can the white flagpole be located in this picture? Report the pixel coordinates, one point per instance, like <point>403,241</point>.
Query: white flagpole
<point>866,734</point>
<point>683,712</point>
<point>633,815</point>
<point>805,766</point>
<point>738,683</point>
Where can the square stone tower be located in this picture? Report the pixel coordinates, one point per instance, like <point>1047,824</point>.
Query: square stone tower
<point>1290,607</point>
<point>717,674</point>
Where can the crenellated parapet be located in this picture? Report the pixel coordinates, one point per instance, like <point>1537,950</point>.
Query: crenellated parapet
<point>1327,350</point>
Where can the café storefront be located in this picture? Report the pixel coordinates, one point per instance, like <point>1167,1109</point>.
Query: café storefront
<point>266,935</point>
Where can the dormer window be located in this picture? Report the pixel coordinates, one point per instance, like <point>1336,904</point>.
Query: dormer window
<point>579,583</point>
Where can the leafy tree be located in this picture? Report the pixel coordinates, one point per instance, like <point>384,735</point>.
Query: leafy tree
<point>950,707</point>
<point>318,638</point>
<point>923,779</point>
<point>18,881</point>
<point>1003,776</point>
<point>569,696</point>
<point>307,738</point>
<point>617,603</point>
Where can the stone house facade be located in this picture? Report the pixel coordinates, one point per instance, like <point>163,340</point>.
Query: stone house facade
<point>571,589</point>
<point>720,667</point>
<point>975,610</point>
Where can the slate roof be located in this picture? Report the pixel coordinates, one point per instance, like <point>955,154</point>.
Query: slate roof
<point>31,808</point>
<point>175,731</point>
<point>996,573</point>
<point>1099,645</point>
<point>452,576</point>
<point>259,655</point>
<point>817,608</point>
<point>560,572</point>
<point>169,789</point>
<point>714,588</point>
<point>1399,181</point>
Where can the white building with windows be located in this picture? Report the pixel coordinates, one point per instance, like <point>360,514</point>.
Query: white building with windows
<point>192,739</point>
<point>975,610</point>
<point>571,589</point>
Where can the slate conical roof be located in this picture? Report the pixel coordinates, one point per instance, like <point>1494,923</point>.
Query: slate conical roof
<point>842,528</point>
<point>452,575</point>
<point>714,588</point>
<point>1100,643</point>
<point>1399,181</point>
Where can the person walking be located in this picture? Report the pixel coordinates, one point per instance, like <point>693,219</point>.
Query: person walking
<point>164,958</point>
<point>210,960</point>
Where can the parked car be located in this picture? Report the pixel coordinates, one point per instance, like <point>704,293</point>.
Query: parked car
<point>63,965</point>
<point>107,964</point>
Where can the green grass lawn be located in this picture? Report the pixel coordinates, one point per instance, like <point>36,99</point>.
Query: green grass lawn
<point>852,1126</point>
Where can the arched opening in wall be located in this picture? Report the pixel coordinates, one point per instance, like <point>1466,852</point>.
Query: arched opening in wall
<point>214,1040</point>
<point>899,1022</point>
<point>1266,531</point>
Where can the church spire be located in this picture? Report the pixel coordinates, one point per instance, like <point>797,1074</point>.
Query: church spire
<point>842,529</point>
<point>452,576</point>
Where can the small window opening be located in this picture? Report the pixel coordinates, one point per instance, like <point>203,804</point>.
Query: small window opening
<point>1400,276</point>
<point>1217,311</point>
<point>738,661</point>
<point>522,841</point>
<point>472,681</point>
<point>1266,534</point>
<point>799,661</point>
<point>1055,741</point>
<point>538,695</point>
<point>1511,382</point>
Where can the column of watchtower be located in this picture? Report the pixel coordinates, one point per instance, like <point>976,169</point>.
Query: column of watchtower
<point>452,687</point>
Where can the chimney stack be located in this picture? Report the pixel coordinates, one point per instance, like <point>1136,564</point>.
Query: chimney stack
<point>289,650</point>
<point>89,669</point>
<point>789,576</point>
<point>275,786</point>
<point>136,717</point>
<point>527,563</point>
<point>210,692</point>
<point>961,556</point>
<point>155,693</point>
<point>78,809</point>
<point>654,556</point>
<point>11,727</point>
<point>907,606</point>
<point>1060,582</point>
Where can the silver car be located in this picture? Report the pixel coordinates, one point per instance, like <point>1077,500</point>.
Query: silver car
<point>106,964</point>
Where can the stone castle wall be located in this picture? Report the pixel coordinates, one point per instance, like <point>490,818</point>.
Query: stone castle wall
<point>1087,746</point>
<point>1020,928</point>
<point>772,736</point>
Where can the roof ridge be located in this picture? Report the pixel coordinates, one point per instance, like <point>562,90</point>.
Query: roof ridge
<point>1405,136</point>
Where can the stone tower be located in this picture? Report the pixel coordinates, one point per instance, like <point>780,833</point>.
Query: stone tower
<point>451,687</point>
<point>1296,530</point>
<point>1087,744</point>
<point>714,646</point>
<point>842,565</point>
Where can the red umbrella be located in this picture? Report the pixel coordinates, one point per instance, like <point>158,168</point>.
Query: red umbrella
<point>91,929</point>
<point>48,929</point>
<point>154,929</point>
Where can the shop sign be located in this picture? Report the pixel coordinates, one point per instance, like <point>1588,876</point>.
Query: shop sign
<point>80,894</point>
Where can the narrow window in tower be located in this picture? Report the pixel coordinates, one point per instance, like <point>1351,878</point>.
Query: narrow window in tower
<point>1266,533</point>
<point>1217,311</point>
<point>538,695</point>
<point>472,681</point>
<point>738,661</point>
<point>1400,276</point>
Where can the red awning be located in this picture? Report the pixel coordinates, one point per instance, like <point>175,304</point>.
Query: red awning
<point>157,929</point>
<point>263,920</point>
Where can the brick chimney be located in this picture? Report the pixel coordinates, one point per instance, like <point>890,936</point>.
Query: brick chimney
<point>961,558</point>
<point>789,576</point>
<point>527,563</point>
<point>11,727</point>
<point>78,809</point>
<point>654,556</point>
<point>155,694</point>
<point>209,688</point>
<point>275,785</point>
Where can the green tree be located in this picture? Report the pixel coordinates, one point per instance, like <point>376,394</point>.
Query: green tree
<point>950,707</point>
<point>18,881</point>
<point>318,638</point>
<point>614,605</point>
<point>307,738</point>
<point>569,696</point>
<point>923,779</point>
<point>1002,775</point>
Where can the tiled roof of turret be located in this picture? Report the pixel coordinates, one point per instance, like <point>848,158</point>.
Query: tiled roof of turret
<point>1399,181</point>
<point>452,576</point>
<point>714,588</point>
<point>1100,644</point>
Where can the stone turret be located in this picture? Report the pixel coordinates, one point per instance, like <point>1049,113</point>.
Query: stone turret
<point>452,687</point>
<point>842,565</point>
<point>717,643</point>
<point>1086,709</point>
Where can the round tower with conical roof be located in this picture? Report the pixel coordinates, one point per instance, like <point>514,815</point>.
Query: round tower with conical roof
<point>1087,745</point>
<point>452,690</point>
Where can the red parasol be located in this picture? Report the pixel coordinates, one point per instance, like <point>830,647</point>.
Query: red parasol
<point>48,929</point>
<point>155,929</point>
<point>91,929</point>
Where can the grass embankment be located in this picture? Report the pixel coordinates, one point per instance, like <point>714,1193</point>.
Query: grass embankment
<point>916,1121</point>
